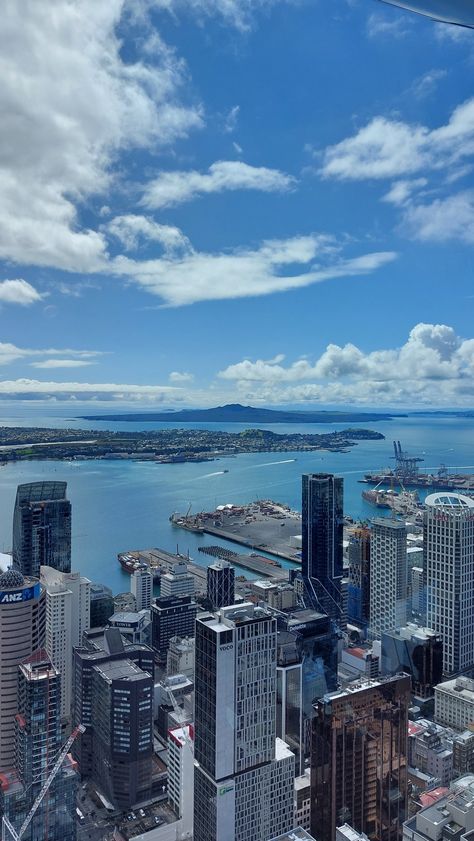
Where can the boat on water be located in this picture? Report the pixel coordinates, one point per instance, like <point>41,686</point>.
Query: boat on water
<point>130,563</point>
<point>400,502</point>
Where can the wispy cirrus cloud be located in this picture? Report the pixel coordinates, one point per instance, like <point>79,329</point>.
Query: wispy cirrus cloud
<point>172,188</point>
<point>11,353</point>
<point>274,266</point>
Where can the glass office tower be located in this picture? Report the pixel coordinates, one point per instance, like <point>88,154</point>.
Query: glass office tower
<point>42,528</point>
<point>322,532</point>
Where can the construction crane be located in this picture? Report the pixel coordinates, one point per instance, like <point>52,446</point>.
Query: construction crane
<point>6,824</point>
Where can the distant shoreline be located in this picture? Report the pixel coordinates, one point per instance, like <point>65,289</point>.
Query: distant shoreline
<point>235,413</point>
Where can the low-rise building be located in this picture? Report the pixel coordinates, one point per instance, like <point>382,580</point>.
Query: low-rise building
<point>454,703</point>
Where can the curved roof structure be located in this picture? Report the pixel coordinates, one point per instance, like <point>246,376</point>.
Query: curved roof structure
<point>460,12</point>
<point>446,499</point>
<point>11,579</point>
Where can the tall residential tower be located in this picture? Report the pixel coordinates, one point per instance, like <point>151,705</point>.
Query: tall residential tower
<point>243,779</point>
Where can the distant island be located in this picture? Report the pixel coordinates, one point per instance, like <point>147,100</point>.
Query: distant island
<point>166,446</point>
<point>236,413</point>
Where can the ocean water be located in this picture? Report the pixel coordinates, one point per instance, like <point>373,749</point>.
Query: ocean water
<point>121,505</point>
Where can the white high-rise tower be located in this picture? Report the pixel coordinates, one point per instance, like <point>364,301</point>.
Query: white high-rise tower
<point>449,570</point>
<point>388,576</point>
<point>243,779</point>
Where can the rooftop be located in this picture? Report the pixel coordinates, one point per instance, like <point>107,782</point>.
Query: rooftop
<point>297,834</point>
<point>462,687</point>
<point>449,500</point>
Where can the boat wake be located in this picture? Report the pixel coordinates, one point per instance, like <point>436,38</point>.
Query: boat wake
<point>217,473</point>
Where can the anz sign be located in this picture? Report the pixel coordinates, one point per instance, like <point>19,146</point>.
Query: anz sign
<point>23,595</point>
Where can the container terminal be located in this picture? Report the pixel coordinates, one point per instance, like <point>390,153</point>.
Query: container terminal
<point>407,470</point>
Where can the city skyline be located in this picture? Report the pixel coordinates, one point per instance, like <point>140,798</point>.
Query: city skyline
<point>205,170</point>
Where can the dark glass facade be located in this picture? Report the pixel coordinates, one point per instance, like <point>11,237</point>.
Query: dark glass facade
<point>359,760</point>
<point>171,617</point>
<point>220,585</point>
<point>322,534</point>
<point>42,528</point>
<point>419,653</point>
<point>358,596</point>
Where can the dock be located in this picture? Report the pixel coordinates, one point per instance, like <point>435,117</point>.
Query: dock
<point>255,563</point>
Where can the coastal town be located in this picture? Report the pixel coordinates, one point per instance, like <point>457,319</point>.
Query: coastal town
<point>166,446</point>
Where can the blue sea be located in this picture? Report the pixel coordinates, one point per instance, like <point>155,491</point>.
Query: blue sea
<point>121,505</point>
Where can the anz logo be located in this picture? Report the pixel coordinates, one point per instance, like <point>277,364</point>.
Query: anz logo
<point>11,597</point>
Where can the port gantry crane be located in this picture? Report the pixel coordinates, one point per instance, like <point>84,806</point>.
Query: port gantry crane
<point>9,832</point>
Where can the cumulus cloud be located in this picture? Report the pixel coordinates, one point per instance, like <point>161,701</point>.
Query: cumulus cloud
<point>27,388</point>
<point>441,220</point>
<point>171,188</point>
<point>275,266</point>
<point>386,148</point>
<point>181,377</point>
<point>65,84</point>
<point>18,292</point>
<point>435,366</point>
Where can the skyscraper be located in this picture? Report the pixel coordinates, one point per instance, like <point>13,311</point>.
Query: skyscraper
<point>388,576</point>
<point>243,780</point>
<point>41,528</point>
<point>359,759</point>
<point>67,616</point>
<point>322,533</point>
<point>37,744</point>
<point>289,715</point>
<point>358,601</point>
<point>22,631</point>
<point>171,617</point>
<point>220,584</point>
<point>449,570</point>
<point>142,588</point>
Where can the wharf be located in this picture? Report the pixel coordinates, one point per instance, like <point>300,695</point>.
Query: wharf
<point>255,563</point>
<point>262,526</point>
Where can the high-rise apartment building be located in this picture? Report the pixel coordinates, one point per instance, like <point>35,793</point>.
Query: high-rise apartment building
<point>243,779</point>
<point>142,588</point>
<point>358,596</point>
<point>220,584</point>
<point>359,759</point>
<point>449,571</point>
<point>388,576</point>
<point>37,744</point>
<point>41,528</point>
<point>171,617</point>
<point>67,616</point>
<point>22,631</point>
<point>322,540</point>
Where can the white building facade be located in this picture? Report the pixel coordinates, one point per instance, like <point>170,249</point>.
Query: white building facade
<point>181,777</point>
<point>449,563</point>
<point>67,616</point>
<point>141,586</point>
<point>388,576</point>
<point>177,582</point>
<point>242,769</point>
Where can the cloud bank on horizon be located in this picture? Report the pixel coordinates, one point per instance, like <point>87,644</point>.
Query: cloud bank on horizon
<point>146,184</point>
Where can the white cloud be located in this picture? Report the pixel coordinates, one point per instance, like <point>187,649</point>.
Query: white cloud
<point>114,391</point>
<point>11,353</point>
<point>230,122</point>
<point>401,191</point>
<point>130,229</point>
<point>66,86</point>
<point>426,84</point>
<point>383,25</point>
<point>180,377</point>
<point>441,220</point>
<point>198,276</point>
<point>63,363</point>
<point>238,13</point>
<point>434,366</point>
<point>171,188</point>
<point>18,292</point>
<point>387,148</point>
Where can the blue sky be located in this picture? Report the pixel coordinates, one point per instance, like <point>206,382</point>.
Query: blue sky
<point>208,201</point>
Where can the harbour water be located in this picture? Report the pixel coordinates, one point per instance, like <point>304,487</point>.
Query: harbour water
<point>120,505</point>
